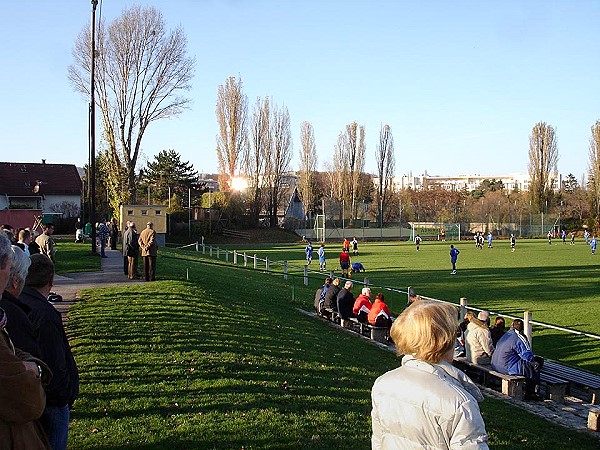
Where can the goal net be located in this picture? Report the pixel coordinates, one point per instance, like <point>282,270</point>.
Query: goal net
<point>435,231</point>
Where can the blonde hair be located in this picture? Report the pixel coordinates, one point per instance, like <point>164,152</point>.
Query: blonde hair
<point>426,330</point>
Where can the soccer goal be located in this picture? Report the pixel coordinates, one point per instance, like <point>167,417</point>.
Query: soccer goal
<point>435,231</point>
<point>320,227</point>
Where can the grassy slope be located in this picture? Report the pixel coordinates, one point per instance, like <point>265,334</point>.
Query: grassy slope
<point>226,361</point>
<point>72,257</point>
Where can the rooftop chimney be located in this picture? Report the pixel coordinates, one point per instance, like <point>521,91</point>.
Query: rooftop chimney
<point>43,161</point>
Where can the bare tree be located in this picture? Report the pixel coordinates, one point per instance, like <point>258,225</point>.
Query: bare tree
<point>543,156</point>
<point>594,167</point>
<point>278,159</point>
<point>385,166</point>
<point>141,69</point>
<point>232,111</point>
<point>354,158</point>
<point>256,151</point>
<point>308,165</point>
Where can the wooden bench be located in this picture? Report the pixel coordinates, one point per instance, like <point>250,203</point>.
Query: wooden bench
<point>576,378</point>
<point>379,334</point>
<point>555,387</point>
<point>512,385</point>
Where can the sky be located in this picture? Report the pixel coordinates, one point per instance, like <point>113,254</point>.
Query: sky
<point>461,83</point>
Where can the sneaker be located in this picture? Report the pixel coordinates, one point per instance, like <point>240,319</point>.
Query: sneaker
<point>453,272</point>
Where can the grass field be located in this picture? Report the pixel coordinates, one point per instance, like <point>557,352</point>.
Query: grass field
<point>72,257</point>
<point>225,361</point>
<point>557,283</point>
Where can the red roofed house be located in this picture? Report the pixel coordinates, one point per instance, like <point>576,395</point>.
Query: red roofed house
<point>52,188</point>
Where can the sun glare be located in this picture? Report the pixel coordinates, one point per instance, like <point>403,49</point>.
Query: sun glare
<point>238,183</point>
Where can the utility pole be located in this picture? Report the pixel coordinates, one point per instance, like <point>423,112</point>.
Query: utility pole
<point>92,130</point>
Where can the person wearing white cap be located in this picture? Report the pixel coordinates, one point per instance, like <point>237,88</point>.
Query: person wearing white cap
<point>478,339</point>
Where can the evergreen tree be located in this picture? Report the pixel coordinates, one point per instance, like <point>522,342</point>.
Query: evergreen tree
<point>168,171</point>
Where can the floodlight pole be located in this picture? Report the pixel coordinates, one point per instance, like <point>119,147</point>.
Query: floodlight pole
<point>92,137</point>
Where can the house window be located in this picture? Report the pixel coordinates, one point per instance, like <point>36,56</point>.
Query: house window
<point>158,212</point>
<point>130,212</point>
<point>144,212</point>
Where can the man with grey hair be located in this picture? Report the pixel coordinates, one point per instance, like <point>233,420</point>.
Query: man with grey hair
<point>5,259</point>
<point>19,326</point>
<point>345,301</point>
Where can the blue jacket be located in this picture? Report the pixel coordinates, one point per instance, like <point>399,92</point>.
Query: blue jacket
<point>511,350</point>
<point>454,254</point>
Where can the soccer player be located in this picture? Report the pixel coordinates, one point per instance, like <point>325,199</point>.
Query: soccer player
<point>513,241</point>
<point>586,236</point>
<point>309,252</point>
<point>417,241</point>
<point>563,235</point>
<point>593,245</point>
<point>345,261</point>
<point>453,257</point>
<point>490,239</point>
<point>354,243</point>
<point>549,237</point>
<point>322,263</point>
<point>572,238</point>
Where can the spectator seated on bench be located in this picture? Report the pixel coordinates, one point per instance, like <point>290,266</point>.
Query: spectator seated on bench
<point>358,267</point>
<point>320,296</point>
<point>513,356</point>
<point>330,299</point>
<point>379,315</point>
<point>345,302</point>
<point>362,305</point>
<point>478,339</point>
<point>498,329</point>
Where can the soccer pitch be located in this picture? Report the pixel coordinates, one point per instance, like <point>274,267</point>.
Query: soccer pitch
<point>558,283</point>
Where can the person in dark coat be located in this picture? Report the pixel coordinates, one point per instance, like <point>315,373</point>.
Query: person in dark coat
<point>330,301</point>
<point>345,301</point>
<point>55,350</point>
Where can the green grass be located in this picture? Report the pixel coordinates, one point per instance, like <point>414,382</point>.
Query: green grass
<point>72,257</point>
<point>226,361</point>
<point>557,283</point>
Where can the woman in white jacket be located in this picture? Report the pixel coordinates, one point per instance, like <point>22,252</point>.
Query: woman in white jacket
<point>426,403</point>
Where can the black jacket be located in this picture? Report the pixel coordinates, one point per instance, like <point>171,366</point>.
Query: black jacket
<point>54,347</point>
<point>331,297</point>
<point>345,301</point>
<point>19,326</point>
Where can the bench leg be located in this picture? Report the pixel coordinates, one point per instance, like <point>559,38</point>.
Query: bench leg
<point>595,397</point>
<point>378,335</point>
<point>512,388</point>
<point>556,392</point>
<point>594,419</point>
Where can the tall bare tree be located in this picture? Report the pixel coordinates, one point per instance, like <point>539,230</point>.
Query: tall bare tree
<point>354,156</point>
<point>543,156</point>
<point>256,151</point>
<point>386,163</point>
<point>141,70</point>
<point>278,159</point>
<point>308,165</point>
<point>594,167</point>
<point>232,111</point>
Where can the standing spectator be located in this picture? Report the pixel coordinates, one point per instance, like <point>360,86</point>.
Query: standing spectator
<point>380,315</point>
<point>479,345</point>
<point>453,257</point>
<point>19,326</point>
<point>345,262</point>
<point>24,241</point>
<point>88,229</point>
<point>417,241</point>
<point>45,241</point>
<point>114,234</point>
<point>309,251</point>
<point>55,351</point>
<point>34,248</point>
<point>126,233</point>
<point>354,243</point>
<point>498,329</point>
<point>132,247</point>
<point>78,231</point>
<point>427,402</point>
<point>136,260</point>
<point>102,232</point>
<point>322,262</point>
<point>513,356</point>
<point>362,305</point>
<point>149,250</point>
<point>345,301</point>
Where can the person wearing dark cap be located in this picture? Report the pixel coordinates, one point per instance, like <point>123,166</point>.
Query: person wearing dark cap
<point>149,250</point>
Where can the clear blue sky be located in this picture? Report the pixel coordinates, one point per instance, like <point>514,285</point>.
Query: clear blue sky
<point>461,83</point>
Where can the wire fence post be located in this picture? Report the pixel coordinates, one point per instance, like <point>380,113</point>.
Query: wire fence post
<point>285,270</point>
<point>528,327</point>
<point>203,249</point>
<point>255,261</point>
<point>226,255</point>
<point>267,263</point>
<point>235,257</point>
<point>187,274</point>
<point>196,245</point>
<point>463,307</point>
<point>305,275</point>
<point>210,250</point>
<point>366,283</point>
<point>218,253</point>
<point>245,260</point>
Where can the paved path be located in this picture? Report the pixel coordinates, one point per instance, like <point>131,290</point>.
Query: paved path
<point>572,414</point>
<point>70,285</point>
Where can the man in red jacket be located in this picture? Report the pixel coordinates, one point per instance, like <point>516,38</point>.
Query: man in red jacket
<point>362,305</point>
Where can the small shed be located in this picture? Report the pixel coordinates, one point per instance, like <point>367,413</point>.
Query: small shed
<point>142,214</point>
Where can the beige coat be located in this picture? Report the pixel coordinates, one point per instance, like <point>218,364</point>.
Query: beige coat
<point>478,342</point>
<point>147,242</point>
<point>422,405</point>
